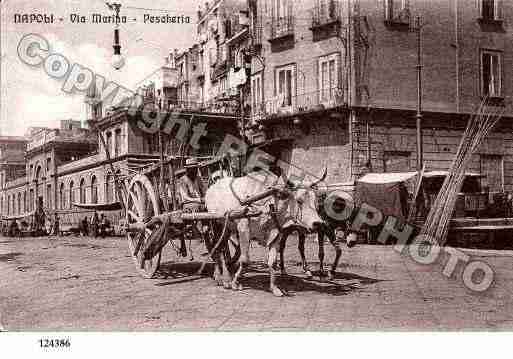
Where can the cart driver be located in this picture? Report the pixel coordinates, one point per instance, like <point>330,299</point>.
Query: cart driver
<point>189,188</point>
<point>191,198</point>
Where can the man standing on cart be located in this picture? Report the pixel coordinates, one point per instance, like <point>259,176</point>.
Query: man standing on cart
<point>190,194</point>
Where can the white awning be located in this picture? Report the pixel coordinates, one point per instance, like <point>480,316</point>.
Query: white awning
<point>381,178</point>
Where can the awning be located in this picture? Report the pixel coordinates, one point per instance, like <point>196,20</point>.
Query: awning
<point>114,206</point>
<point>382,178</point>
<point>18,217</point>
<point>431,174</point>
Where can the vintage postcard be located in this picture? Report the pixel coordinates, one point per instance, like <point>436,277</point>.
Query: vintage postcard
<point>255,165</point>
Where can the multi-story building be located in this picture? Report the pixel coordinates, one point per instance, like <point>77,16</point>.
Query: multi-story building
<point>12,166</point>
<point>338,80</point>
<point>223,44</point>
<point>43,154</point>
<point>69,165</point>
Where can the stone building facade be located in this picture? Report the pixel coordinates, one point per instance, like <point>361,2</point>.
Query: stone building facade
<point>339,79</point>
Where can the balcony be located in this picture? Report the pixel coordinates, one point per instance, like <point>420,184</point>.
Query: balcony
<point>219,107</point>
<point>282,27</point>
<point>311,102</point>
<point>326,13</point>
<point>256,37</point>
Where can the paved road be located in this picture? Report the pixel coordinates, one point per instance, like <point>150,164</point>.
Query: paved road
<point>90,284</point>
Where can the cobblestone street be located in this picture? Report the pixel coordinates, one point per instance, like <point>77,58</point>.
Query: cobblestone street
<point>90,284</point>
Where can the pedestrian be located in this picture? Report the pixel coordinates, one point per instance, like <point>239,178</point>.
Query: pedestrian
<point>103,225</point>
<point>56,225</point>
<point>94,225</point>
<point>85,227</point>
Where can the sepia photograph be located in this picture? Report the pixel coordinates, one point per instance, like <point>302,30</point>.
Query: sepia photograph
<point>255,166</point>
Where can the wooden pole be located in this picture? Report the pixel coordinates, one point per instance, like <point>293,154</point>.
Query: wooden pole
<point>418,117</point>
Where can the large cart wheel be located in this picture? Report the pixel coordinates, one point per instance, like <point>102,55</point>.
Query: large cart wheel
<point>142,205</point>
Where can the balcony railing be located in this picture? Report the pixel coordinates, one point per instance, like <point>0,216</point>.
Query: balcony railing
<point>223,107</point>
<point>308,102</point>
<point>326,12</point>
<point>256,35</point>
<point>282,26</point>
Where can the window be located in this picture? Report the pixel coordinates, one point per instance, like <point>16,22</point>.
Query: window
<point>96,110</point>
<point>282,21</point>
<point>117,149</point>
<point>328,77</point>
<point>82,192</point>
<point>152,143</point>
<point>71,194</point>
<point>49,196</point>
<point>256,91</point>
<point>62,199</point>
<point>24,202</point>
<point>108,142</point>
<point>109,186</point>
<point>19,203</point>
<point>397,10</point>
<point>285,85</point>
<point>31,200</point>
<point>282,9</point>
<point>491,74</point>
<point>492,168</point>
<point>491,10</point>
<point>48,164</point>
<point>396,161</point>
<point>94,190</point>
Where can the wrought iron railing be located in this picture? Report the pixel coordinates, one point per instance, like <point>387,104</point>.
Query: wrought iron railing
<point>224,107</point>
<point>282,26</point>
<point>306,102</point>
<point>325,12</point>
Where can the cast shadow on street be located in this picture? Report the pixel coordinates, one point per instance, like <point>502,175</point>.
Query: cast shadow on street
<point>257,277</point>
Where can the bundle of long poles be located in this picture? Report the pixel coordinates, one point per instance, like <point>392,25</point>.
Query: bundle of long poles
<point>436,227</point>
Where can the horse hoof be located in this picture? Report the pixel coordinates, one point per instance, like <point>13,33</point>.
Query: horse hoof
<point>277,292</point>
<point>227,285</point>
<point>237,286</point>
<point>308,274</point>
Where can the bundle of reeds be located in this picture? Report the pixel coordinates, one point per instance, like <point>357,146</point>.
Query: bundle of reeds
<point>436,226</point>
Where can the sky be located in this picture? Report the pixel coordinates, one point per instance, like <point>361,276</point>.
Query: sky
<point>29,97</point>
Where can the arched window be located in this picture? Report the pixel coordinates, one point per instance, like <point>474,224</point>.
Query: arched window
<point>25,202</point>
<point>94,190</point>
<point>114,191</point>
<point>71,194</point>
<point>19,203</point>
<point>82,191</point>
<point>108,188</point>
<point>62,199</point>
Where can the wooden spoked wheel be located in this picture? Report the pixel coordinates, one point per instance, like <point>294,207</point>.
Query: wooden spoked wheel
<point>142,205</point>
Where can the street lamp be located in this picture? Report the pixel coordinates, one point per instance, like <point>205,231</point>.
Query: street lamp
<point>117,61</point>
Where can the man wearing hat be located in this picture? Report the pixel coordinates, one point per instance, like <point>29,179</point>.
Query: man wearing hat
<point>191,195</point>
<point>189,188</point>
